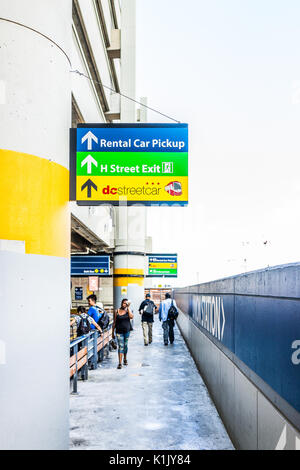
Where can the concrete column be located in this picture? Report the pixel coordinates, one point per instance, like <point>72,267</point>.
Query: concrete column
<point>34,223</point>
<point>129,254</point>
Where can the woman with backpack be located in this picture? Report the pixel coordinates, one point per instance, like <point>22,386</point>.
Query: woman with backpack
<point>122,327</point>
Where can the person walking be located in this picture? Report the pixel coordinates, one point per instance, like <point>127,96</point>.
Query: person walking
<point>147,309</point>
<point>122,327</point>
<point>168,317</point>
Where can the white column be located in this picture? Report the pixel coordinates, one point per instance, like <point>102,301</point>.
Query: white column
<point>34,224</point>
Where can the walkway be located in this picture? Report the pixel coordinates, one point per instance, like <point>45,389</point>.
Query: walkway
<point>157,402</point>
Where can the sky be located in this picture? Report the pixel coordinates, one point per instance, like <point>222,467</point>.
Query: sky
<point>231,70</point>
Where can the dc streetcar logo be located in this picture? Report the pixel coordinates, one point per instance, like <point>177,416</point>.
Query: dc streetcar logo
<point>174,188</point>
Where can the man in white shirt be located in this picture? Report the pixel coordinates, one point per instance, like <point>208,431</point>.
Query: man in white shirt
<point>167,324</point>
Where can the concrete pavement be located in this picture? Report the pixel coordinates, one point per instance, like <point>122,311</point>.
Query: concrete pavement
<point>157,402</point>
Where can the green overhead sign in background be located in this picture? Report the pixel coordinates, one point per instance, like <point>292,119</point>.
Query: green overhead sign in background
<point>162,265</point>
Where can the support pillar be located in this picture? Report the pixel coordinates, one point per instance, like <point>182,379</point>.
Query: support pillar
<point>129,256</point>
<point>34,223</point>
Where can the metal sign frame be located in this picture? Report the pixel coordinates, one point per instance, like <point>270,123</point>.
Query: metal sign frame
<point>162,255</point>
<point>172,187</point>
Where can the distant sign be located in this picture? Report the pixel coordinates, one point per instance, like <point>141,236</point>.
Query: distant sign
<point>78,293</point>
<point>139,163</point>
<point>162,265</point>
<point>82,265</point>
<point>93,283</point>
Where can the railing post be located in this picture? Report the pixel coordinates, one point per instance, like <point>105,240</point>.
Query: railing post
<point>102,348</point>
<point>76,371</point>
<point>85,369</point>
<point>95,354</point>
<point>110,338</point>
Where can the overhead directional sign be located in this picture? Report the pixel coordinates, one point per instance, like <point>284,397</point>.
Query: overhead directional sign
<point>82,265</point>
<point>162,265</point>
<point>138,163</point>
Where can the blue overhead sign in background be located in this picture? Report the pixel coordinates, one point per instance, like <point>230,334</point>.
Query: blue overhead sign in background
<point>90,265</point>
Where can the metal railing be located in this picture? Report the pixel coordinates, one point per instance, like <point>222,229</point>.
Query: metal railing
<point>86,351</point>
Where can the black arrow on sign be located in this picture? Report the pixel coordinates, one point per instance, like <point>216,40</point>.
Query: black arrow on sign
<point>89,185</point>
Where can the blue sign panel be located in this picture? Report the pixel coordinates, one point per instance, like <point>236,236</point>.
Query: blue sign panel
<point>78,293</point>
<point>157,138</point>
<point>90,265</point>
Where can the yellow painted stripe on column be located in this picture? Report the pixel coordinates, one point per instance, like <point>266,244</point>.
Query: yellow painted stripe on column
<point>128,271</point>
<point>34,203</point>
<point>124,281</point>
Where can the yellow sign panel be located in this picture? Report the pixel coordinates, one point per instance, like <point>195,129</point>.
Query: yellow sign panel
<point>163,265</point>
<point>132,188</point>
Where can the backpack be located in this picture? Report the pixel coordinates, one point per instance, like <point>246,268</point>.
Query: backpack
<point>84,326</point>
<point>173,312</point>
<point>73,328</point>
<point>103,322</point>
<point>149,308</point>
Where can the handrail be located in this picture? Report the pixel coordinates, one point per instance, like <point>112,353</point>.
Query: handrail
<point>81,360</point>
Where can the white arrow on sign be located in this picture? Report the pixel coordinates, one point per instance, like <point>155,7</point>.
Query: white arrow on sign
<point>89,137</point>
<point>89,161</point>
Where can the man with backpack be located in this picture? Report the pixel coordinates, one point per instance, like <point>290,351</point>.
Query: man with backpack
<point>147,309</point>
<point>85,322</point>
<point>167,314</point>
<point>97,312</point>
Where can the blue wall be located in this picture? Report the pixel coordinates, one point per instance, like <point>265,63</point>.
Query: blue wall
<point>257,317</point>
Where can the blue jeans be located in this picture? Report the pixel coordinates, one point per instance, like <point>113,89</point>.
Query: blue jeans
<point>168,327</point>
<point>122,339</point>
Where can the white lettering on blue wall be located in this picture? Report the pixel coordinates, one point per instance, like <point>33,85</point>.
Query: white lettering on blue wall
<point>208,311</point>
<point>296,354</point>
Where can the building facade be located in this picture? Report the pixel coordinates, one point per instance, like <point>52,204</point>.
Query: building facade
<point>95,83</point>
